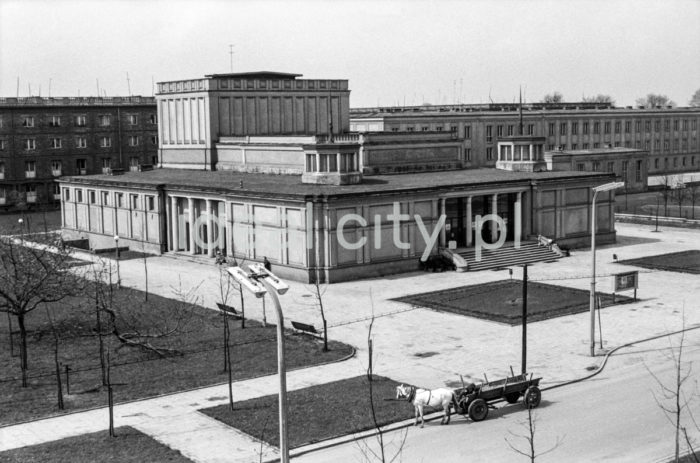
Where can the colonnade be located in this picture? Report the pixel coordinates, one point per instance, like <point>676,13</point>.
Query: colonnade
<point>209,219</point>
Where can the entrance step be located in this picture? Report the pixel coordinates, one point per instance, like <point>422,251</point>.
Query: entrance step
<point>529,252</point>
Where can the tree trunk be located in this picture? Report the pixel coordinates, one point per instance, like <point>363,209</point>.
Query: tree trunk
<point>23,349</point>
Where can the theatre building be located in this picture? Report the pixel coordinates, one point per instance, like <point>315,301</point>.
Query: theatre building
<point>264,165</point>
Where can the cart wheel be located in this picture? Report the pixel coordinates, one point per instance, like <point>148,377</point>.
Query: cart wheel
<point>532,397</point>
<point>512,397</point>
<point>478,410</point>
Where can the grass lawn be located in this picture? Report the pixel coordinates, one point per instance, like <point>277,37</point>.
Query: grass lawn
<point>129,446</point>
<point>501,301</point>
<point>684,261</point>
<point>317,413</point>
<point>197,357</point>
<point>34,222</point>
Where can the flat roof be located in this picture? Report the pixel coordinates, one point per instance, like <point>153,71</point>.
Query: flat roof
<point>257,74</point>
<point>291,187</point>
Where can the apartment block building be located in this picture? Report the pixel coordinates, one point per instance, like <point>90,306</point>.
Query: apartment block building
<point>42,139</point>
<point>669,136</point>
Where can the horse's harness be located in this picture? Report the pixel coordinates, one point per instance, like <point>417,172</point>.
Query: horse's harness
<point>412,395</point>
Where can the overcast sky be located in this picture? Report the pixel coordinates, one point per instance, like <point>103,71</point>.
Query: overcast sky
<point>393,52</point>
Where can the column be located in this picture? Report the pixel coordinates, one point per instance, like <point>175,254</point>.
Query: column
<point>442,210</point>
<point>210,230</point>
<point>469,221</point>
<point>518,213</point>
<point>494,211</point>
<point>175,239</point>
<point>63,208</point>
<point>221,225</point>
<point>337,162</point>
<point>530,151</point>
<point>190,205</point>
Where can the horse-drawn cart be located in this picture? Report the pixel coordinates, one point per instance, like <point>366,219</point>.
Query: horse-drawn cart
<point>475,400</point>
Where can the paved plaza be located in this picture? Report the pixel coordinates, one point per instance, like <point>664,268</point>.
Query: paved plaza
<point>413,345</point>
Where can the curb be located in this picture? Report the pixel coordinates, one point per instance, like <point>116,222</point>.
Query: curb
<point>335,441</point>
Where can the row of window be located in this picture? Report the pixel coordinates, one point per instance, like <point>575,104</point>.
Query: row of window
<point>607,126</point>
<point>103,120</point>
<point>108,198</point>
<point>30,190</point>
<point>80,166</point>
<point>29,144</point>
<point>678,145</point>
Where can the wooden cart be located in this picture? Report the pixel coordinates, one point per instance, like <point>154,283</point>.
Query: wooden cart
<point>475,400</point>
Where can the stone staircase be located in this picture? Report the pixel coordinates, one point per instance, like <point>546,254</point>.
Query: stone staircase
<point>507,256</point>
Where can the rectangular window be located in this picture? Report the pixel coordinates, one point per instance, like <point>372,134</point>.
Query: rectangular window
<point>55,121</point>
<point>425,128</point>
<point>55,143</point>
<point>574,146</point>
<point>585,128</point>
<point>81,166</point>
<point>439,129</point>
<point>625,165</point>
<point>628,126</point>
<point>611,166</point>
<point>134,163</point>
<point>656,163</point>
<point>562,128</point>
<point>105,198</point>
<point>27,121</point>
<point>617,126</point>
<point>531,129</point>
<point>675,145</point>
<point>467,131</point>
<point>667,145</point>
<point>580,167</point>
<point>81,142</point>
<point>3,145</point>
<point>393,129</point>
<point>154,139</point>
<point>134,201</point>
<point>675,162</point>
<point>657,145</point>
<point>683,163</point>
<point>574,128</point>
<point>657,126</point>
<point>637,126</point>
<point>120,199</point>
<point>667,125</point>
<point>550,147</point>
<point>596,127</point>
<point>2,170</point>
<point>150,203</point>
<point>468,154</point>
<point>106,165</point>
<point>133,119</point>
<point>685,124</point>
<point>154,160</point>
<point>489,136</point>
<point>695,124</point>
<point>638,172</point>
<point>152,119</point>
<point>585,146</point>
<point>66,194</point>
<point>617,144</point>
<point>30,169</point>
<point>104,121</point>
<point>499,131</point>
<point>78,195</point>
<point>606,127</point>
<point>105,142</point>
<point>133,140</point>
<point>56,168</point>
<point>510,130</point>
<point>596,166</point>
<point>29,144</point>
<point>80,121</point>
<point>552,128</point>
<point>311,162</point>
<point>675,125</point>
<point>92,196</point>
<point>647,126</point>
<point>596,145</point>
<point>453,128</point>
<point>409,129</point>
<point>489,154</point>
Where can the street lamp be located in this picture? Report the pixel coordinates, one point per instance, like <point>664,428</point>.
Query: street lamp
<point>116,247</point>
<point>259,282</point>
<point>596,190</point>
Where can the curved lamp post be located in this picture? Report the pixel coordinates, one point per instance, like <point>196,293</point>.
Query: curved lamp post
<point>596,190</point>
<point>259,282</point>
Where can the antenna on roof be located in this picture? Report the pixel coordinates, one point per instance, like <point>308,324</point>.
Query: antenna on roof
<point>520,111</point>
<point>330,118</point>
<point>49,87</point>
<point>230,52</point>
<point>97,82</point>
<point>128,83</point>
<point>490,96</point>
<point>17,86</point>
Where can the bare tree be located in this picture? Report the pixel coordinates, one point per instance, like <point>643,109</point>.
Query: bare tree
<point>600,98</point>
<point>652,100</point>
<point>667,182</point>
<point>225,288</point>
<point>695,99</point>
<point>674,398</point>
<point>679,195</point>
<point>554,97</point>
<point>368,453</point>
<point>529,451</point>
<point>693,191</point>
<point>318,292</point>
<point>32,274</point>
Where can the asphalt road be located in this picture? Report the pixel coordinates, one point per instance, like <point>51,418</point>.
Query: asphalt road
<point>611,417</point>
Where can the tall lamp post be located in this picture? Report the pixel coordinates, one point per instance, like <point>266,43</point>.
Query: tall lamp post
<point>116,247</point>
<point>606,187</point>
<point>259,282</point>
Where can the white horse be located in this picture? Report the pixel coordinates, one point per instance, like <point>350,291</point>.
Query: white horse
<point>428,398</point>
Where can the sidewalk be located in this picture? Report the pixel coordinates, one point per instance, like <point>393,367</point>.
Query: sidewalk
<point>423,347</point>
